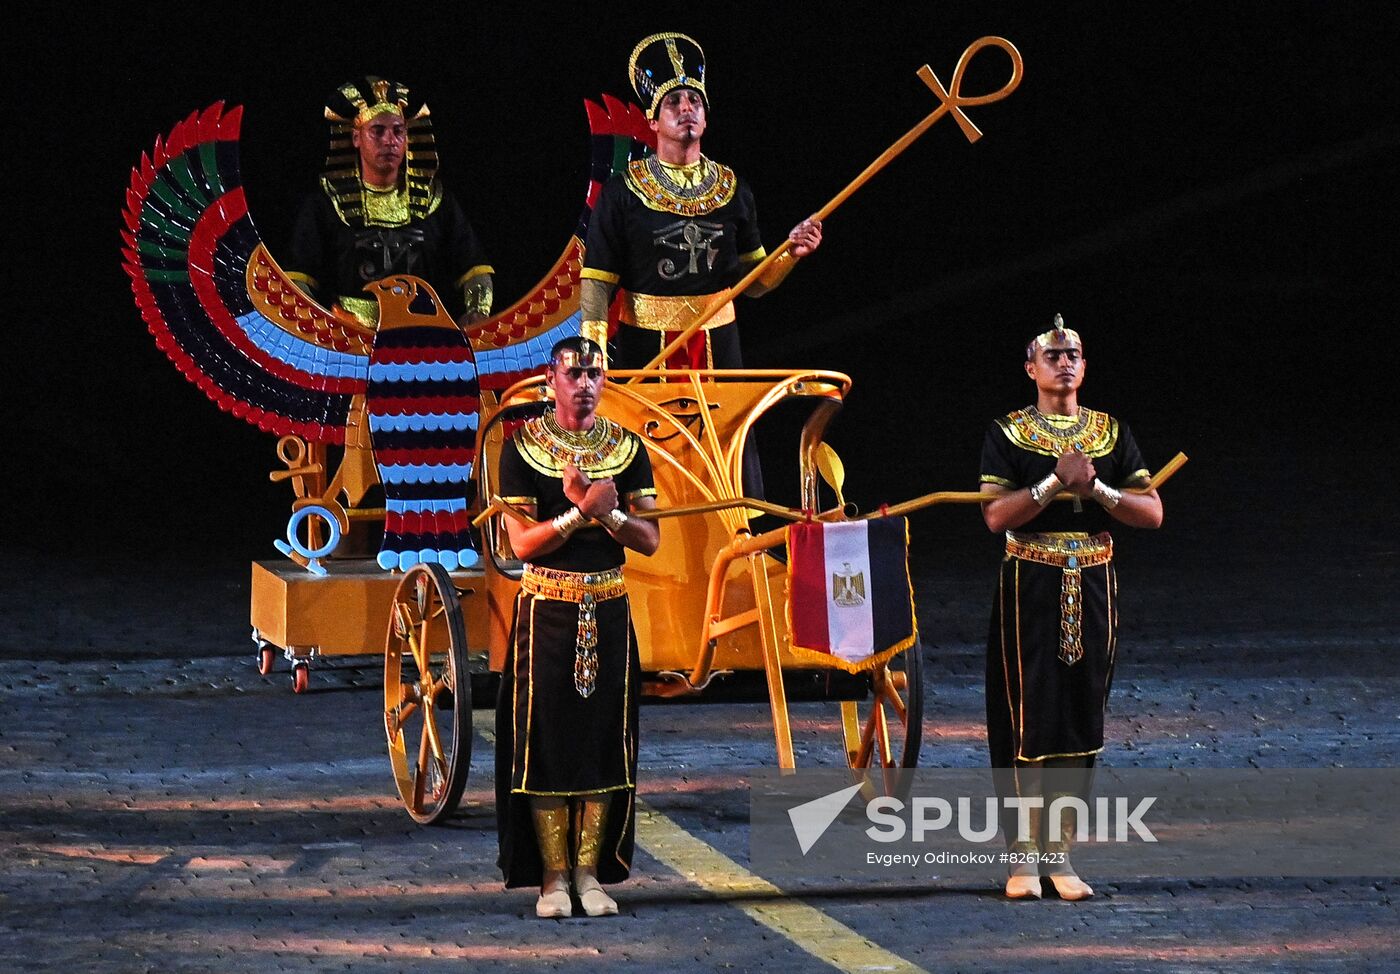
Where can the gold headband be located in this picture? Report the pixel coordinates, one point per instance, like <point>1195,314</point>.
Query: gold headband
<point>588,355</point>
<point>374,111</point>
<point>1058,334</point>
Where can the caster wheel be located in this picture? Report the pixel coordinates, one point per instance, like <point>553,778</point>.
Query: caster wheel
<point>301,677</point>
<point>267,656</point>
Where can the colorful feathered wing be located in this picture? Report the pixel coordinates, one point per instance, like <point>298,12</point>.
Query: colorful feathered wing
<point>218,304</point>
<point>234,324</point>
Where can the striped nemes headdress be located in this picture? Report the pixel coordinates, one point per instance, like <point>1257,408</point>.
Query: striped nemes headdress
<point>353,105</point>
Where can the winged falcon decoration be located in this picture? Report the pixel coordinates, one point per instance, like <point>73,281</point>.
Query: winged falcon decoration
<point>230,319</point>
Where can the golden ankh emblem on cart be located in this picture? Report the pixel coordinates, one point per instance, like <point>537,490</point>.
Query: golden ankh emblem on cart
<point>952,98</point>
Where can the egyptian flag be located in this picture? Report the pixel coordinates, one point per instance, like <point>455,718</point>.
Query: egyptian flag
<point>850,601</point>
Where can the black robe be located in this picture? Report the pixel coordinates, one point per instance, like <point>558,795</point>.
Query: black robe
<point>1038,706</point>
<point>549,739</point>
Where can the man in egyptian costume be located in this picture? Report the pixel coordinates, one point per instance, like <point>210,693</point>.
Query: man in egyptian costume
<point>566,718</point>
<point>1054,624</point>
<point>676,227</point>
<point>383,210</point>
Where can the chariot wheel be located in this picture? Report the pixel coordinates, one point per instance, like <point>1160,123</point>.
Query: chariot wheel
<point>427,721</point>
<point>885,731</point>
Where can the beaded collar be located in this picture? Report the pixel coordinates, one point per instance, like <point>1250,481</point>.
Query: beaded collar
<point>603,450</point>
<point>650,182</point>
<point>1093,433</point>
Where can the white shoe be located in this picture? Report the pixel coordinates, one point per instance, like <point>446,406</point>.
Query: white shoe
<point>554,902</point>
<point>1023,887</point>
<point>1071,887</point>
<point>595,902</point>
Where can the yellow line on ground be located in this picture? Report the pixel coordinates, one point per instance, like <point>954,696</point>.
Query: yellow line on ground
<point>825,938</point>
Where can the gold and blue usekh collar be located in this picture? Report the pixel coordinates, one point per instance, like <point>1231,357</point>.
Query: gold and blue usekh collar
<point>604,450</point>
<point>1091,432</point>
<point>649,180</point>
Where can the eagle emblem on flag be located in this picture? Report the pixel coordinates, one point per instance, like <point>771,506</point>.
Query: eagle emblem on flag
<point>850,603</point>
<point>848,586</point>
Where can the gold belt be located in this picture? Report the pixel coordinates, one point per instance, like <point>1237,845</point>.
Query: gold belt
<point>586,590</point>
<point>561,586</point>
<point>656,312</point>
<point>1069,553</point>
<point>1061,551</point>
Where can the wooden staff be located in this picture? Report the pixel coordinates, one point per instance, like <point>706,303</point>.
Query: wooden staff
<point>793,514</point>
<point>952,102</point>
<point>977,497</point>
<point>498,506</point>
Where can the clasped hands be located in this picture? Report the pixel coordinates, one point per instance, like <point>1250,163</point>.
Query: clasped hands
<point>1076,473</point>
<point>594,498</point>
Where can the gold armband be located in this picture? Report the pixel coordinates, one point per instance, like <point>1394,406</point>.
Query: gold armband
<point>774,273</point>
<point>477,295</point>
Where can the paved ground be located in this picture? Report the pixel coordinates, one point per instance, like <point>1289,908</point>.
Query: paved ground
<point>169,811</point>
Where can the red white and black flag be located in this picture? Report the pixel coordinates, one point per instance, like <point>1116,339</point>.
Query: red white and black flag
<point>850,600</point>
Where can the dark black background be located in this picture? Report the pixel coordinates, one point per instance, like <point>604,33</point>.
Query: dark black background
<point>1202,189</point>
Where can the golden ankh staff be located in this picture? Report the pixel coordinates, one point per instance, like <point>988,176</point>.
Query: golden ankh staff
<point>951,102</point>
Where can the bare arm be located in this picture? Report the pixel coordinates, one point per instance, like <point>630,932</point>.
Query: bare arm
<point>533,539</point>
<point>1013,508</point>
<point>806,237</point>
<point>1138,510</point>
<point>1075,473</point>
<point>641,536</point>
<point>590,497</point>
<point>1010,510</point>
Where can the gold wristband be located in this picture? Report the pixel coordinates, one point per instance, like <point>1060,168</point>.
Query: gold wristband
<point>1044,491</point>
<point>477,295</point>
<point>775,272</point>
<point>597,333</point>
<point>614,520</point>
<point>568,522</point>
<point>1106,495</point>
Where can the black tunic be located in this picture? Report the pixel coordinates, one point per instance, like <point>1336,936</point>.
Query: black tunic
<point>648,251</point>
<point>442,248</point>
